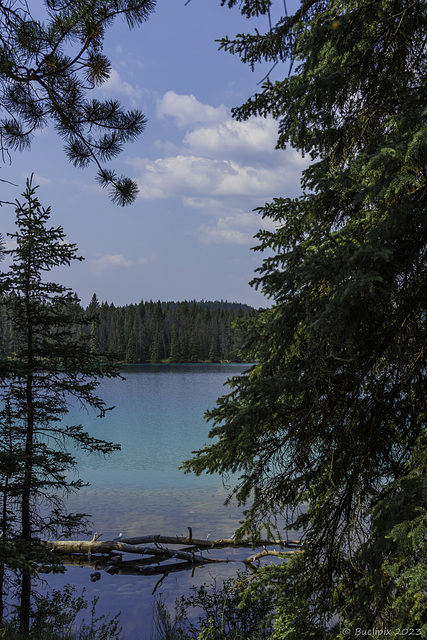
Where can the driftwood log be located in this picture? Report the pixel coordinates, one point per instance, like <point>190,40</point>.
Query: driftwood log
<point>159,554</point>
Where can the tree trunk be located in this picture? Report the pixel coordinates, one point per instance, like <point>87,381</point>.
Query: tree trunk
<point>25,609</point>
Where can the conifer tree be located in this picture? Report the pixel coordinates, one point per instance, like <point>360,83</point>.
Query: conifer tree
<point>49,367</point>
<point>175,346</point>
<point>333,417</point>
<point>47,68</point>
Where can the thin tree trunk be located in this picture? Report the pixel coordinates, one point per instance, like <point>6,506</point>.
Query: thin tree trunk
<point>24,614</point>
<point>1,592</point>
<point>28,469</point>
<point>4,534</point>
<point>25,609</point>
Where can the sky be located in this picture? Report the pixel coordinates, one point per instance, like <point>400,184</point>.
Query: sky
<point>200,173</point>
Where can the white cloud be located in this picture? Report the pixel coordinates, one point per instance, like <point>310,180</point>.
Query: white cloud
<point>206,205</point>
<point>148,259</point>
<point>38,180</point>
<point>42,133</point>
<point>234,226</point>
<point>222,235</point>
<point>108,261</point>
<point>257,135</point>
<point>115,85</point>
<point>187,110</point>
<point>194,176</point>
<point>221,167</point>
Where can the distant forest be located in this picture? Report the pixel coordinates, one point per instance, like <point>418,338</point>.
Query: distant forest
<point>169,331</point>
<point>153,332</point>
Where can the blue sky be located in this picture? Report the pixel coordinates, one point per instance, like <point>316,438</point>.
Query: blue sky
<point>200,173</point>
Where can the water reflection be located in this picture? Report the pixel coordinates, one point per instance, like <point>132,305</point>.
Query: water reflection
<point>158,420</point>
<point>166,512</point>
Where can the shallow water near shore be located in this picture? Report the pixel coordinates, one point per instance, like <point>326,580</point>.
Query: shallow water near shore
<point>158,421</point>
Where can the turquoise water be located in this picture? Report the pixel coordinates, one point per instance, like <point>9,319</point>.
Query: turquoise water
<point>158,421</point>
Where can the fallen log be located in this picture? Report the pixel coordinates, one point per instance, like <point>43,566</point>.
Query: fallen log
<point>109,546</point>
<point>209,544</point>
<point>269,552</point>
<point>155,558</point>
<point>138,544</point>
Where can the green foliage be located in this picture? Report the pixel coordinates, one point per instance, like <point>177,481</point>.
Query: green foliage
<point>47,67</point>
<point>55,618</point>
<point>236,610</point>
<point>391,592</point>
<point>333,415</point>
<point>159,331</point>
<point>170,331</point>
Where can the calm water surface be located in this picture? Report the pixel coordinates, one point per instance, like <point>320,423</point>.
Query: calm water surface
<point>158,421</point>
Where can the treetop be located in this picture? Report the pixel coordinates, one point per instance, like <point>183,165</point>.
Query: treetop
<point>47,68</point>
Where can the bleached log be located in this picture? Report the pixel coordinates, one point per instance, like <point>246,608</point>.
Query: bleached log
<point>208,543</point>
<point>138,545</point>
<point>109,546</point>
<point>270,552</point>
<point>108,554</point>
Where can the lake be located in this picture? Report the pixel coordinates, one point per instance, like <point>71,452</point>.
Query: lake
<point>158,421</point>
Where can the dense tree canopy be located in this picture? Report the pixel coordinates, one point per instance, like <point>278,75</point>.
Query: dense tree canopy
<point>333,417</point>
<point>151,332</point>
<point>47,68</point>
<point>169,331</point>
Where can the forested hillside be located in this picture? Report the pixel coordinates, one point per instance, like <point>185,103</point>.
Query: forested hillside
<point>157,331</point>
